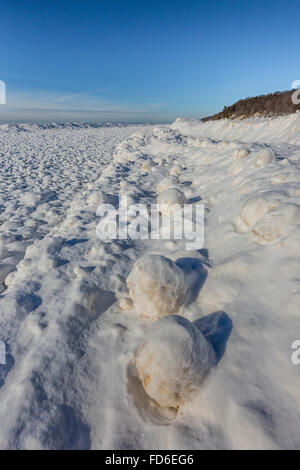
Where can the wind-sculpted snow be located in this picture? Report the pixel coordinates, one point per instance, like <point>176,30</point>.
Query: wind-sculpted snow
<point>76,375</point>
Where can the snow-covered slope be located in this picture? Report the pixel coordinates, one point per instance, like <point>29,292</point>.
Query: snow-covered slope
<point>71,330</point>
<point>268,130</point>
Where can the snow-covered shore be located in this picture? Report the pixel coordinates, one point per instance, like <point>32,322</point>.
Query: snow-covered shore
<point>70,379</point>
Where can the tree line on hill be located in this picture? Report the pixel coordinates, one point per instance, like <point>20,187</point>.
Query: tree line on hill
<point>273,104</point>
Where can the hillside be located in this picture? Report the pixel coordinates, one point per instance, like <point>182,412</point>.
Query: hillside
<point>271,105</point>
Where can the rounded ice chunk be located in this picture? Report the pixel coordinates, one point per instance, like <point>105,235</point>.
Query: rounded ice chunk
<point>169,199</point>
<point>241,153</point>
<point>173,360</point>
<point>147,166</point>
<point>156,286</point>
<point>167,183</point>
<point>264,157</point>
<point>254,209</point>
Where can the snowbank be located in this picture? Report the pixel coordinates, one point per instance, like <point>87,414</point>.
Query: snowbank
<point>280,129</point>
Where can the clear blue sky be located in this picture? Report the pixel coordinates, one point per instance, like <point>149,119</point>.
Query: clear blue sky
<point>152,60</point>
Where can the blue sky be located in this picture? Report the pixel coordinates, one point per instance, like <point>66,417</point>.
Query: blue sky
<point>143,60</point>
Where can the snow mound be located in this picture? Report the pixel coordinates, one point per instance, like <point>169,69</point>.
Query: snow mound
<point>33,198</point>
<point>252,211</point>
<point>173,360</point>
<point>167,183</point>
<point>241,153</point>
<point>278,178</point>
<point>264,157</point>
<point>169,199</point>
<point>267,221</point>
<point>147,166</point>
<point>176,170</point>
<point>99,197</point>
<point>277,223</point>
<point>156,286</point>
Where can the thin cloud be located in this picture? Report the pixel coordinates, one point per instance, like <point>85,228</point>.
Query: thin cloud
<point>88,93</point>
<point>80,102</point>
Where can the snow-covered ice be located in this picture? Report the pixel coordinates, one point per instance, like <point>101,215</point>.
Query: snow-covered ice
<point>73,328</point>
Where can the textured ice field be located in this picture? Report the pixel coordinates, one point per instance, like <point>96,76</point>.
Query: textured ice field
<point>71,330</point>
